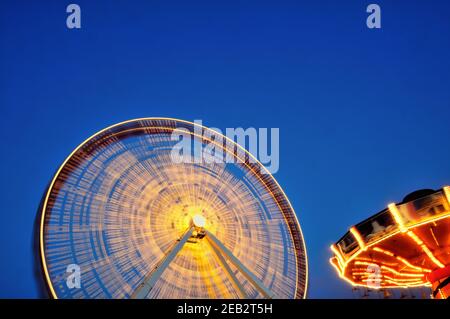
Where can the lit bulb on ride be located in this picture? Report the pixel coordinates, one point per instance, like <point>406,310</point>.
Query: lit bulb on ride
<point>199,221</point>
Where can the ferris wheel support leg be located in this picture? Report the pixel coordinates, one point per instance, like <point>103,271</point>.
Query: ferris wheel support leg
<point>217,244</point>
<point>237,285</point>
<point>149,282</point>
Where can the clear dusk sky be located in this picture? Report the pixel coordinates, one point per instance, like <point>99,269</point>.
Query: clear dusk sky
<point>363,114</point>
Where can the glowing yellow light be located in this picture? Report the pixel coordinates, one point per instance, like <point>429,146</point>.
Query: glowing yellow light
<point>387,252</point>
<point>392,270</point>
<point>341,271</point>
<point>425,249</point>
<point>404,284</point>
<point>399,280</point>
<point>358,238</point>
<point>340,259</point>
<point>199,221</point>
<point>383,284</point>
<point>403,260</point>
<point>357,259</point>
<point>443,295</point>
<point>396,214</point>
<point>447,193</point>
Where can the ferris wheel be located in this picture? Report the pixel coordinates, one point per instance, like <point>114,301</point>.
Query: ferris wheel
<point>139,225</point>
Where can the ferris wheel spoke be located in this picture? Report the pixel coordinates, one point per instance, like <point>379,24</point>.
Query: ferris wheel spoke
<point>236,284</point>
<point>151,279</point>
<point>220,247</point>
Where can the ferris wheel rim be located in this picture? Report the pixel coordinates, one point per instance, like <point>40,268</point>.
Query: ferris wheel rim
<point>98,133</point>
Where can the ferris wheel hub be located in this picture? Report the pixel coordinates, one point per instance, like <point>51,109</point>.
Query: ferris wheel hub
<point>199,221</point>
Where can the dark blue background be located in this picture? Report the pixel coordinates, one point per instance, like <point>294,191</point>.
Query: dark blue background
<point>363,114</point>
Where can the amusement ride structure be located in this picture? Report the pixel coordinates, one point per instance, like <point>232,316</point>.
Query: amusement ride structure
<point>140,225</point>
<point>406,245</point>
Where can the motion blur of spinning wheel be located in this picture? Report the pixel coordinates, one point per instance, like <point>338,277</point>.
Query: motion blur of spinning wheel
<point>140,225</point>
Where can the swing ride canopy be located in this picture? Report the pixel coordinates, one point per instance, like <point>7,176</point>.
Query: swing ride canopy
<point>404,245</point>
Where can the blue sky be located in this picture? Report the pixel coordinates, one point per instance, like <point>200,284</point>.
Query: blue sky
<point>363,114</point>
